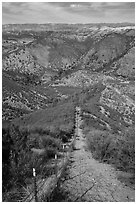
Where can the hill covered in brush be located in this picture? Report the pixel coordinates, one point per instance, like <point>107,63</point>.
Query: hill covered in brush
<point>48,70</point>
<point>37,64</point>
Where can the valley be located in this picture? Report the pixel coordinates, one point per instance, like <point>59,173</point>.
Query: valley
<point>47,71</point>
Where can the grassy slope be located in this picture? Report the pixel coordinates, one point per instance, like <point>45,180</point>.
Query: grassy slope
<point>53,117</point>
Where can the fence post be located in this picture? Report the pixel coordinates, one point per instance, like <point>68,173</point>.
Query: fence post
<point>35,185</point>
<point>63,154</point>
<point>56,165</point>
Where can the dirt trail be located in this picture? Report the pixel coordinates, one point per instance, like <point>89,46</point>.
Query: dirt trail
<point>90,180</point>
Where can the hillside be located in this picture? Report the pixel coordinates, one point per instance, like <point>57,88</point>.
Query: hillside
<point>48,70</point>
<point>35,61</point>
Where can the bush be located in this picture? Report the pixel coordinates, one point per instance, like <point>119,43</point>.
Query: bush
<point>118,150</point>
<point>32,141</point>
<point>20,159</point>
<point>48,141</point>
<point>50,151</point>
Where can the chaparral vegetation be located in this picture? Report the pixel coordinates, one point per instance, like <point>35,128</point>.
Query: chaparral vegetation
<point>49,70</point>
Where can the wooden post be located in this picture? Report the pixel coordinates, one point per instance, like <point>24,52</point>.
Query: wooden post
<point>56,165</point>
<point>63,154</point>
<point>35,185</point>
<point>77,124</point>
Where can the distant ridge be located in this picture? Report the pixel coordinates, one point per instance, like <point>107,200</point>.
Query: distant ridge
<point>54,26</point>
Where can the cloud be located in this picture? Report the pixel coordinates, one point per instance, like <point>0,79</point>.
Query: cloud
<point>75,5</point>
<point>67,12</point>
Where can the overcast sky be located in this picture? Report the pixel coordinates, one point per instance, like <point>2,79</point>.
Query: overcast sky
<point>68,12</point>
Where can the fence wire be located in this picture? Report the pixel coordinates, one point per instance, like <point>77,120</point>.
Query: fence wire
<point>55,178</point>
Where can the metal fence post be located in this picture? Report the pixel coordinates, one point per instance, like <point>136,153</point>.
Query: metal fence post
<point>35,185</point>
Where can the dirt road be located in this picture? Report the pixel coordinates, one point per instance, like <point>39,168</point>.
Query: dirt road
<point>91,181</point>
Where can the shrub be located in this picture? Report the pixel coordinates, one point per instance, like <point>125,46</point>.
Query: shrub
<point>114,149</point>
<point>48,141</point>
<point>33,140</point>
<point>50,151</point>
<point>21,160</point>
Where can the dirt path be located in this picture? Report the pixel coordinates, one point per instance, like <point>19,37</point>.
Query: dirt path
<point>90,180</point>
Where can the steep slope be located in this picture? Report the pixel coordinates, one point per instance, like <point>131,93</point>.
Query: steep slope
<point>125,66</point>
<point>42,63</point>
<point>109,105</point>
<point>47,54</point>
<point>20,99</point>
<point>104,52</point>
<point>42,58</point>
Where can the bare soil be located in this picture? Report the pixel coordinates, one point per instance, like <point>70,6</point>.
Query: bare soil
<point>91,181</point>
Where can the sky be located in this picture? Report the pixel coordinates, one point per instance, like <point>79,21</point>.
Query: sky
<point>68,12</point>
